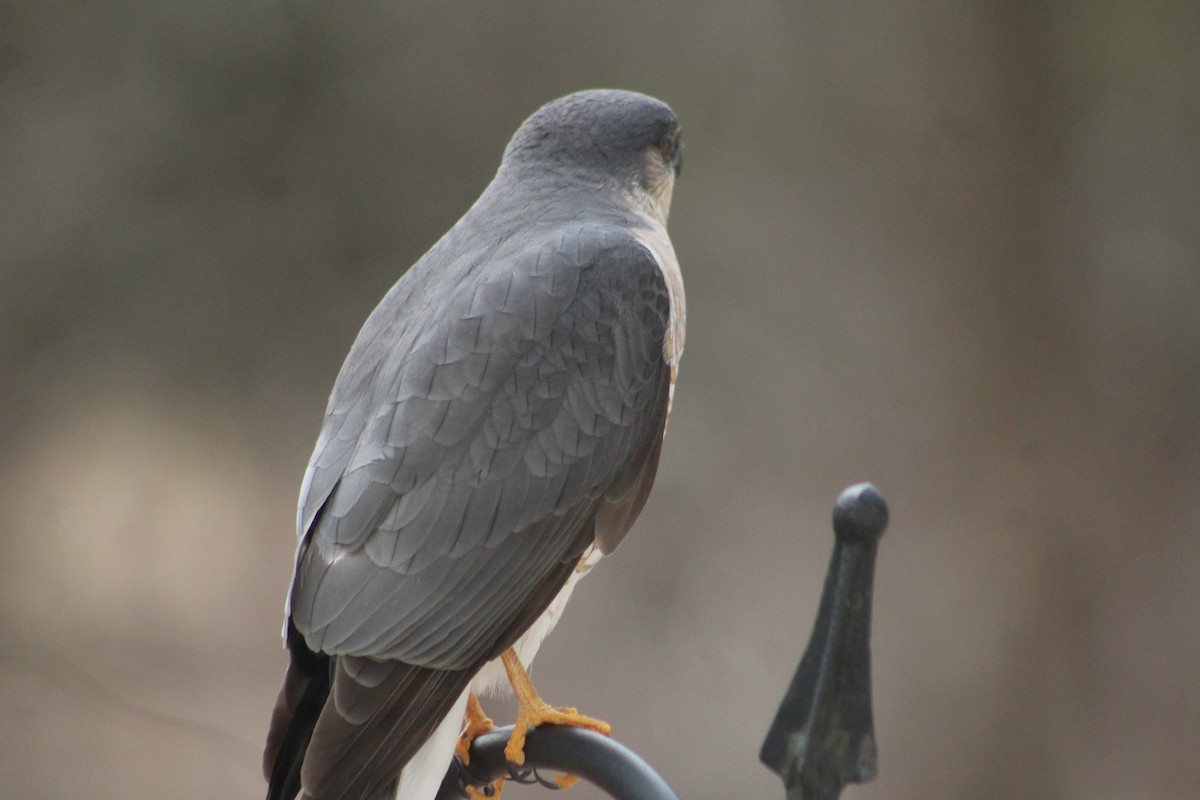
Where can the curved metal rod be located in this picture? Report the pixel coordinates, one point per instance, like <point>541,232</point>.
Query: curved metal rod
<point>604,762</point>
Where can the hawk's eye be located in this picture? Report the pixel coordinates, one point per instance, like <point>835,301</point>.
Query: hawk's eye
<point>668,145</point>
<point>668,148</point>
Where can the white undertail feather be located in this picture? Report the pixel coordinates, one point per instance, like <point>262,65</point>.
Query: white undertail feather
<point>422,777</point>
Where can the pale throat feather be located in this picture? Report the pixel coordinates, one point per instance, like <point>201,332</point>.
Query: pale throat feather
<point>655,203</point>
<point>656,241</point>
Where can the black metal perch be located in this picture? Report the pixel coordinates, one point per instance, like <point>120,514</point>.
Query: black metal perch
<point>823,735</point>
<point>596,758</point>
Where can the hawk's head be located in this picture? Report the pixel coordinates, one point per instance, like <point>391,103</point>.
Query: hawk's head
<point>605,134</point>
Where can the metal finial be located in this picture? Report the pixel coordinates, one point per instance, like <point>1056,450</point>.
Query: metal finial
<point>823,736</point>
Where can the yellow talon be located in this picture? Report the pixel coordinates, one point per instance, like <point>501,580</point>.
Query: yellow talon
<point>565,781</point>
<point>533,711</point>
<point>476,723</point>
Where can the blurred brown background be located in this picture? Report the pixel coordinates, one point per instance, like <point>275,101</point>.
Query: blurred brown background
<point>953,249</point>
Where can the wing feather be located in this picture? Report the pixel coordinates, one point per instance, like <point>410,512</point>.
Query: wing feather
<point>483,451</point>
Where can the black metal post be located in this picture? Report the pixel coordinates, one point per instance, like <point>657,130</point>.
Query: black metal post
<point>823,736</point>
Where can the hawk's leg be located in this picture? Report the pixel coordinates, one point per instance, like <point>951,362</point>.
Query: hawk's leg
<point>476,723</point>
<point>533,711</point>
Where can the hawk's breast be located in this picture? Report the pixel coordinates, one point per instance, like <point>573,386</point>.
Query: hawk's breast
<point>654,238</point>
